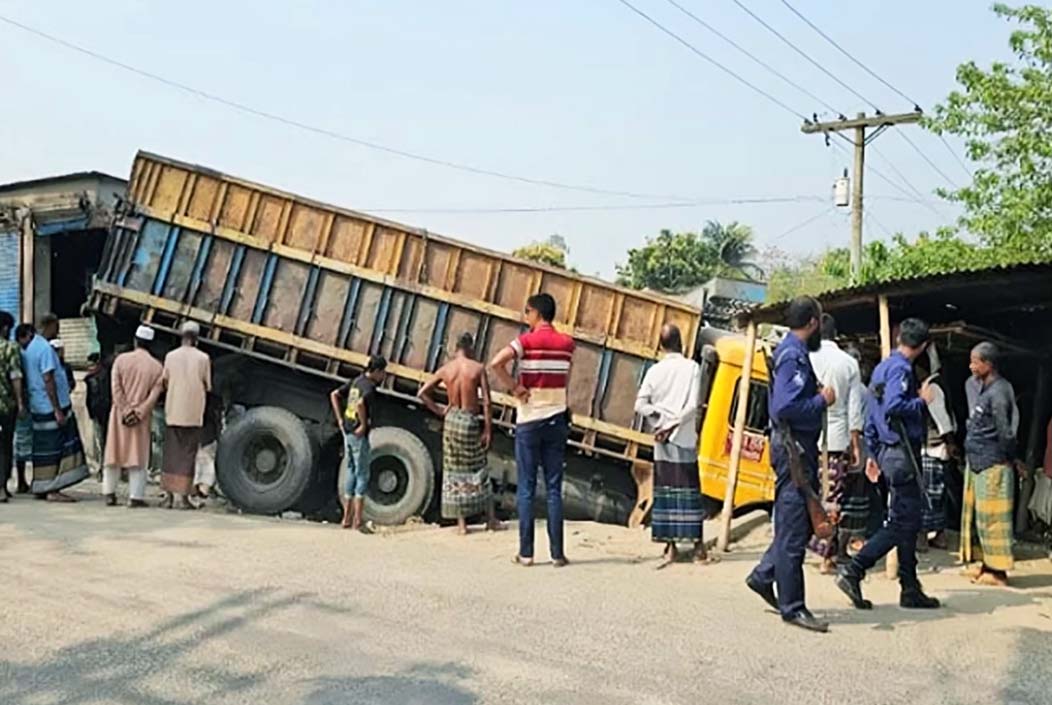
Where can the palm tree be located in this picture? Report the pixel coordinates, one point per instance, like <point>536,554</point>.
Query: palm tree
<point>734,244</point>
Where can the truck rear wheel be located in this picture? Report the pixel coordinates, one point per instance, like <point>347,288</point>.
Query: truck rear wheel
<point>402,477</point>
<point>264,461</point>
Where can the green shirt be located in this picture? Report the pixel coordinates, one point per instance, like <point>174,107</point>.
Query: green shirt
<point>10,369</point>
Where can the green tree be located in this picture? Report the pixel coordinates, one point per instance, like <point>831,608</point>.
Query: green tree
<point>733,244</point>
<point>670,262</point>
<point>551,252</point>
<point>1004,114</point>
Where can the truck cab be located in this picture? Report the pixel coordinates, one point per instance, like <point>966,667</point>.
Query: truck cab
<point>721,354</point>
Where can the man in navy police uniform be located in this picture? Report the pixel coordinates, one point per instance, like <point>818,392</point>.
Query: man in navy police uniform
<point>795,401</point>
<point>895,429</point>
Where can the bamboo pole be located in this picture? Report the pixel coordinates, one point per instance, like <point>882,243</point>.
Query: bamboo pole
<point>737,439</point>
<point>891,563</point>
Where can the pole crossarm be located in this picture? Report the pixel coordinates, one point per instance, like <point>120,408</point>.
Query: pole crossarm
<point>811,128</point>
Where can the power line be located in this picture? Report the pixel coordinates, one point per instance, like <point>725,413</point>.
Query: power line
<point>873,218</point>
<point>323,131</point>
<point>913,197</point>
<point>803,224</point>
<point>710,60</point>
<point>752,56</point>
<point>956,156</point>
<point>747,200</point>
<point>802,53</point>
<point>844,51</point>
<point>891,165</point>
<point>926,158</point>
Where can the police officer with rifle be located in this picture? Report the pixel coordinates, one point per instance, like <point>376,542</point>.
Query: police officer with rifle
<point>894,431</point>
<point>796,407</point>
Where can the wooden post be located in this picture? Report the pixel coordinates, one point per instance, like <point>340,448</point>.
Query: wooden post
<point>739,436</point>
<point>891,563</point>
<point>825,455</point>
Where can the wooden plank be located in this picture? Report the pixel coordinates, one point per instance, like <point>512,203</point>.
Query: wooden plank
<point>744,383</point>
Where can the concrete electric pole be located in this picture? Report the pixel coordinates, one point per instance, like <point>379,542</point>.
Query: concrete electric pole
<point>858,126</point>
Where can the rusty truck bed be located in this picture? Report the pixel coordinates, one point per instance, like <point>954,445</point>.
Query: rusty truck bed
<point>320,288</point>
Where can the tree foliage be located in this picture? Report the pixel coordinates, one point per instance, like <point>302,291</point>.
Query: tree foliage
<point>674,262</point>
<point>1004,114</point>
<point>551,252</point>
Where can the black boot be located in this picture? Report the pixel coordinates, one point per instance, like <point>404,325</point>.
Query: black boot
<point>805,620</point>
<point>913,598</point>
<point>851,585</point>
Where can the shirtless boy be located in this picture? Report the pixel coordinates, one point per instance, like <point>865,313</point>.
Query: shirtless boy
<point>465,437</point>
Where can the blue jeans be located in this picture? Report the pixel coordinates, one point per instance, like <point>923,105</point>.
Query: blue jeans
<point>783,563</point>
<point>541,444</point>
<point>359,455</point>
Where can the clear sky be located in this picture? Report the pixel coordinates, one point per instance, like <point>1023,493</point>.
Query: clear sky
<point>576,91</point>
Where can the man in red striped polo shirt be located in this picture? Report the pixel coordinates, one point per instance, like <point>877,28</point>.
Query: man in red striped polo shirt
<point>542,423</point>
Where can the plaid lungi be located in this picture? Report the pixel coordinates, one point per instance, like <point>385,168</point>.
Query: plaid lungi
<point>988,504</point>
<point>24,439</point>
<point>58,457</point>
<point>465,477</point>
<point>933,476</point>
<point>847,493</point>
<point>677,513</point>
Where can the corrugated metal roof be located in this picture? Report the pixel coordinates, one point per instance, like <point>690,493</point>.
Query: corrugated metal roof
<point>46,180</point>
<point>921,284</point>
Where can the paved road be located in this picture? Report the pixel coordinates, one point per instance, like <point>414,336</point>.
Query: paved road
<point>162,607</point>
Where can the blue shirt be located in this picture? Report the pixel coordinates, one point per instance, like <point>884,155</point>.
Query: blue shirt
<point>38,359</point>
<point>893,395</point>
<point>794,395</point>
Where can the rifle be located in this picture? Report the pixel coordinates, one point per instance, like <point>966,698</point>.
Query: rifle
<point>821,525</point>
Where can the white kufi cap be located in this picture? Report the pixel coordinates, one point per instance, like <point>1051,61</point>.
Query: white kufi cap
<point>144,333</point>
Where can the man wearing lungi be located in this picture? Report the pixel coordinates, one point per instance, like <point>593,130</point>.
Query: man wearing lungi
<point>136,382</point>
<point>839,371</point>
<point>668,404</point>
<point>57,455</point>
<point>895,430</point>
<point>12,406</point>
<point>465,436</point>
<point>937,456</point>
<point>989,447</point>
<point>187,381</point>
<point>796,407</point>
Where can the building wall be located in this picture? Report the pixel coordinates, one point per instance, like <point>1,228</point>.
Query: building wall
<point>41,277</point>
<point>10,276</point>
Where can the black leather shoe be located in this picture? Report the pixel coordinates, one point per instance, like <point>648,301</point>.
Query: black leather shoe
<point>915,599</point>
<point>764,591</point>
<point>852,587</point>
<point>111,500</point>
<point>806,620</point>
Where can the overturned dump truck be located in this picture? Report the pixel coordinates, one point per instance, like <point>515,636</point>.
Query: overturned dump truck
<point>293,296</point>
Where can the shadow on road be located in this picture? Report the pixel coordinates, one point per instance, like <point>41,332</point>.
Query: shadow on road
<point>422,684</point>
<point>168,665</point>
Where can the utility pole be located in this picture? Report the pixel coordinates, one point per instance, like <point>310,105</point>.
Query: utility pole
<point>858,125</point>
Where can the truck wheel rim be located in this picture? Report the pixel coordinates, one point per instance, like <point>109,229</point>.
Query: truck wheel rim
<point>265,460</point>
<point>390,480</point>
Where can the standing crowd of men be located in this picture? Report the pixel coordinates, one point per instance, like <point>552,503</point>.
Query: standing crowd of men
<point>908,433</point>
<point>898,432</point>
<point>38,426</point>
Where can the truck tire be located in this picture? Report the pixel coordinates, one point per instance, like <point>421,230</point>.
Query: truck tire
<point>402,477</point>
<point>264,461</point>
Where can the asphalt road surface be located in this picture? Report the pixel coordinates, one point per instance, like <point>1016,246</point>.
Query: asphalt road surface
<point>165,607</point>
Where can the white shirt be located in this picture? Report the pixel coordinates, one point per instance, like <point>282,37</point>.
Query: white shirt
<point>836,369</point>
<point>668,398</point>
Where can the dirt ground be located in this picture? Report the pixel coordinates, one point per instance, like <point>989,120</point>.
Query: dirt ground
<point>111,605</point>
